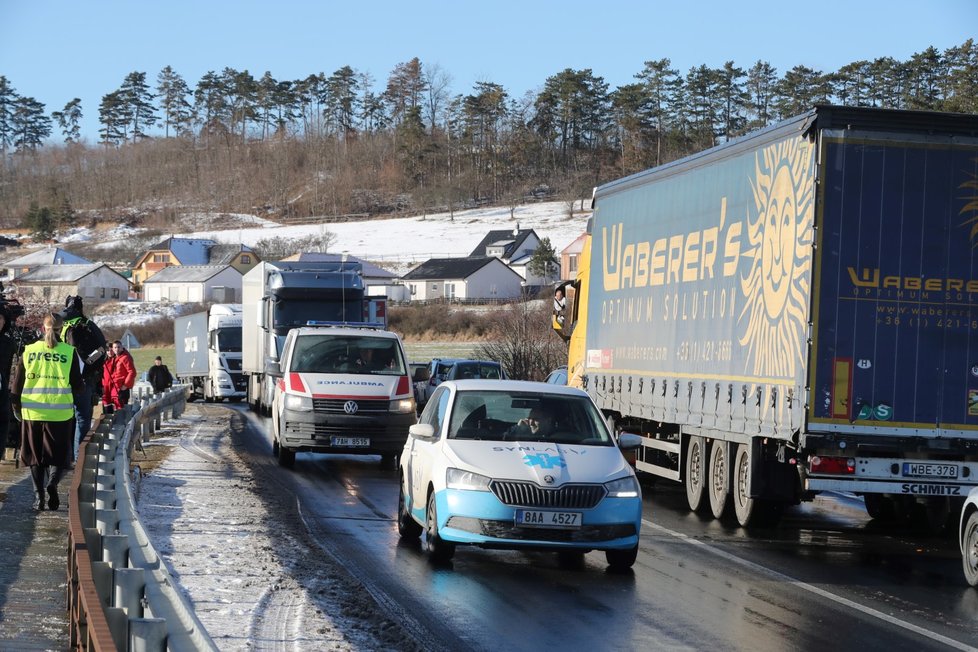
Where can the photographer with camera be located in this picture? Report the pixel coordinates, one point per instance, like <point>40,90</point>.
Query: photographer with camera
<point>83,334</point>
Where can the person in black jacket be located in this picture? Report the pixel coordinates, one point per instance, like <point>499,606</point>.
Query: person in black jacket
<point>85,335</point>
<point>7,349</point>
<point>159,376</point>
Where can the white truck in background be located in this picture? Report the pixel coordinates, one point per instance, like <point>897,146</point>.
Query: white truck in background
<point>208,352</point>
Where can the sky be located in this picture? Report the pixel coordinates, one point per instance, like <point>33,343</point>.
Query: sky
<point>55,50</point>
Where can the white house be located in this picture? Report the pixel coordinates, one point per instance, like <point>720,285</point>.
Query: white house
<point>514,247</point>
<point>463,278</point>
<point>194,284</point>
<point>95,283</point>
<point>48,256</point>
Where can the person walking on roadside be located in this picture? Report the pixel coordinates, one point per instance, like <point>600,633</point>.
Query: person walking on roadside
<point>7,349</point>
<point>45,385</point>
<point>83,334</point>
<point>159,376</point>
<point>123,373</point>
<point>110,397</point>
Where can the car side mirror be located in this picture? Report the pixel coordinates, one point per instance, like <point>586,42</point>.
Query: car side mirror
<point>421,375</point>
<point>425,430</point>
<point>628,441</point>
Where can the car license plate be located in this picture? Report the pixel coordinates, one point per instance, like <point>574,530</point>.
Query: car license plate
<point>537,518</point>
<point>350,442</point>
<point>919,470</point>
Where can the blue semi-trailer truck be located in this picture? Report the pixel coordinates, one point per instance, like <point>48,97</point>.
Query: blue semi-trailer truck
<point>792,312</point>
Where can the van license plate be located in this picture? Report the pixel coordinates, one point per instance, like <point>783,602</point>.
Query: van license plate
<point>350,442</point>
<point>919,470</point>
<point>537,518</point>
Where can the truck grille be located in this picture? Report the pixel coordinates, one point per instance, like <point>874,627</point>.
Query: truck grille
<point>364,406</point>
<point>239,381</point>
<point>234,364</point>
<point>527,494</point>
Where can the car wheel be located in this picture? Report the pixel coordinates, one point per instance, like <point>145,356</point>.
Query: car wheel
<point>286,457</point>
<point>407,527</point>
<point>969,550</point>
<point>621,560</point>
<point>438,549</point>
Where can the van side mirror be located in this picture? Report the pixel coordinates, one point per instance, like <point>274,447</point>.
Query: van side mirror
<point>272,367</point>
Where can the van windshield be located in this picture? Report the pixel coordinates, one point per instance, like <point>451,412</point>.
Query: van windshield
<point>341,354</point>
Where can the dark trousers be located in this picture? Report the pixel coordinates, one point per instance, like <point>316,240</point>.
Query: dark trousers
<point>83,416</point>
<point>5,420</point>
<point>45,476</point>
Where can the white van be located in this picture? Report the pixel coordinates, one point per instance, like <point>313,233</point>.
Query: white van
<point>341,389</point>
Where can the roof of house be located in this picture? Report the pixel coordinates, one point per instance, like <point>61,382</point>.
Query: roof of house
<point>224,254</point>
<point>47,256</point>
<point>575,247</point>
<point>512,239</point>
<point>369,269</point>
<point>62,273</point>
<point>188,273</point>
<point>197,251</point>
<point>448,268</point>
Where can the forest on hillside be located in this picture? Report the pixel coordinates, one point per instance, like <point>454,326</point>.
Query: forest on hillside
<point>338,145</point>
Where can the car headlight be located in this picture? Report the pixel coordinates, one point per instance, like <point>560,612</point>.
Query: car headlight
<point>459,479</point>
<point>403,406</point>
<point>298,403</point>
<point>626,487</point>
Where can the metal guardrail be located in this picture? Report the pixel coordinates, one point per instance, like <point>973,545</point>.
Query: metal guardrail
<point>120,594</point>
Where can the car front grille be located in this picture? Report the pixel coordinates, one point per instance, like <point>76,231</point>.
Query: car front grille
<point>364,406</point>
<point>527,494</point>
<point>322,430</point>
<point>507,530</point>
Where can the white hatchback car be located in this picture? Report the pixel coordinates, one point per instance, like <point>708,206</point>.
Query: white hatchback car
<point>969,537</point>
<point>519,465</point>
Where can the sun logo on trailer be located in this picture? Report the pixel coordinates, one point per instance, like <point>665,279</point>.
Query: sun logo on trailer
<point>971,185</point>
<point>780,243</point>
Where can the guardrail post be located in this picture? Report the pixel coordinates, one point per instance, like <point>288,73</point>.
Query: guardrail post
<point>147,635</point>
<point>105,499</point>
<point>115,550</point>
<point>129,586</point>
<point>107,520</point>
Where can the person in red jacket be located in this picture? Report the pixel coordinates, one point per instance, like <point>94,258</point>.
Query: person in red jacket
<point>110,398</point>
<point>123,373</point>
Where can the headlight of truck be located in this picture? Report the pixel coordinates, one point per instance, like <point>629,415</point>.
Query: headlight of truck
<point>459,479</point>
<point>402,406</point>
<point>626,487</point>
<point>298,403</point>
<point>224,380</point>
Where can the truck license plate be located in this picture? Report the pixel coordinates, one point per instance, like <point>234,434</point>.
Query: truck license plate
<point>920,470</point>
<point>350,442</point>
<point>537,518</point>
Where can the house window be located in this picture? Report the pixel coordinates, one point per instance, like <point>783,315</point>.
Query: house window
<point>101,293</point>
<point>115,293</point>
<point>450,290</point>
<point>572,263</point>
<point>245,259</point>
<point>46,292</point>
<point>412,288</point>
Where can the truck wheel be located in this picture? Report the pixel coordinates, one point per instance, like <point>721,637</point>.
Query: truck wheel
<point>439,550</point>
<point>930,517</point>
<point>695,480</point>
<point>751,511</point>
<point>286,457</point>
<point>621,560</point>
<point>969,550</point>
<point>407,527</point>
<point>718,481</point>
<point>880,507</point>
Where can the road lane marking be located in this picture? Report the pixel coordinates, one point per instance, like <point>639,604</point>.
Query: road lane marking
<point>869,611</point>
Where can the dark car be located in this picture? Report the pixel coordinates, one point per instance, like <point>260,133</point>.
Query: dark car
<point>558,376</point>
<point>424,387</point>
<point>468,369</point>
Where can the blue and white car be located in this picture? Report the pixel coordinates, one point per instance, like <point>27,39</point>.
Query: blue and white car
<point>519,465</point>
<point>969,537</point>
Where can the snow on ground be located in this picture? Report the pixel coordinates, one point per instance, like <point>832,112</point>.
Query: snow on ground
<point>133,313</point>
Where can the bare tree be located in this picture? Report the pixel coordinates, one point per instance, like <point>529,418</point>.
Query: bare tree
<point>528,348</point>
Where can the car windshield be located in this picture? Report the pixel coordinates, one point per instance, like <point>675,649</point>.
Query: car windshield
<point>527,416</point>
<point>340,354</point>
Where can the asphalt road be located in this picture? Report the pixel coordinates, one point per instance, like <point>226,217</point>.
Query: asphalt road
<point>827,577</point>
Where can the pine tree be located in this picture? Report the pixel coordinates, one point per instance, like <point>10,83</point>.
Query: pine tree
<point>39,222</point>
<point>137,104</point>
<point>31,125</point>
<point>661,84</point>
<point>544,261</point>
<point>113,118</point>
<point>8,99</point>
<point>405,88</point>
<point>69,120</point>
<point>342,101</point>
<point>173,91</point>
<point>762,79</point>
